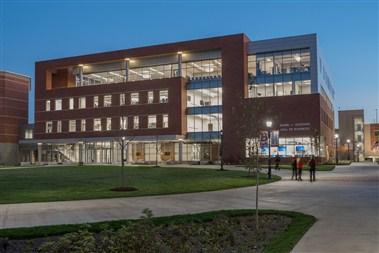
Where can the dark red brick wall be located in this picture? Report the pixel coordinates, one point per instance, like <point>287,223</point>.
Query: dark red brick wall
<point>13,106</point>
<point>280,110</point>
<point>174,108</point>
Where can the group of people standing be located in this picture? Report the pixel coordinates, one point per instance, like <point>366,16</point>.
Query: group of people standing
<point>297,168</point>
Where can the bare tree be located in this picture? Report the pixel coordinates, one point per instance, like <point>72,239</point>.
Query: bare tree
<point>255,113</point>
<point>157,150</point>
<point>123,143</point>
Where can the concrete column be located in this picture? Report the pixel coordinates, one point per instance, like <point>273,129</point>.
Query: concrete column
<point>180,59</point>
<point>112,152</point>
<point>31,153</point>
<point>180,151</point>
<point>126,68</point>
<point>80,152</point>
<point>81,75</point>
<point>293,88</point>
<point>39,153</point>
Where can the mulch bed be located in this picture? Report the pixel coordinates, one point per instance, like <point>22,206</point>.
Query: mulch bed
<point>223,234</point>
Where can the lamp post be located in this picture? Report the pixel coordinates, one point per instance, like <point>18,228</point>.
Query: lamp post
<point>269,125</point>
<point>122,161</point>
<point>221,150</point>
<point>336,139</point>
<point>348,149</point>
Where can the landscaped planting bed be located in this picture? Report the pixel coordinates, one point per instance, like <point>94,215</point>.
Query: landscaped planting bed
<point>222,231</point>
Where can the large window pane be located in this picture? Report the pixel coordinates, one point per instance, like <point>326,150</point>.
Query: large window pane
<point>269,64</point>
<point>152,121</point>
<point>58,104</point>
<point>107,100</point>
<point>134,98</point>
<point>96,124</point>
<point>163,96</point>
<point>72,125</point>
<point>278,61</point>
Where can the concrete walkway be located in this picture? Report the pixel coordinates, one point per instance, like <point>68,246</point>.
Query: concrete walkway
<point>345,201</point>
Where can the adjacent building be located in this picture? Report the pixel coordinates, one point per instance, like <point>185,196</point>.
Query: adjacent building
<point>371,141</point>
<point>351,138</point>
<point>184,102</point>
<point>14,90</point>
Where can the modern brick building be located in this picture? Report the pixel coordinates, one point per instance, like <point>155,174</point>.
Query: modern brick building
<point>371,143</point>
<point>351,138</point>
<point>14,90</point>
<point>175,99</point>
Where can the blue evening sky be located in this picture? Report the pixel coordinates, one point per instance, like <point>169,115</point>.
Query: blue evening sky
<point>348,32</point>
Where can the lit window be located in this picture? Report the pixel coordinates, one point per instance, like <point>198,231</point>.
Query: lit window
<point>135,122</point>
<point>109,124</point>
<point>134,98</point>
<point>47,106</point>
<point>165,121</point>
<point>59,126</point>
<point>71,103</point>
<point>58,104</point>
<point>163,96</point>
<point>72,126</point>
<point>122,99</point>
<point>150,97</point>
<point>123,122</point>
<point>82,102</point>
<point>96,124</point>
<point>49,127</point>
<point>152,121</point>
<point>83,125</point>
<point>29,134</point>
<point>107,100</point>
<point>95,101</point>
<point>303,87</point>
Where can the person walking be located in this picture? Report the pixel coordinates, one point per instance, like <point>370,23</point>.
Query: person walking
<point>300,165</point>
<point>312,169</point>
<point>294,168</point>
<point>277,162</point>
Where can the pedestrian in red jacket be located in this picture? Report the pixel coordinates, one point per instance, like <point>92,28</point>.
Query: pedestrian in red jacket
<point>300,165</point>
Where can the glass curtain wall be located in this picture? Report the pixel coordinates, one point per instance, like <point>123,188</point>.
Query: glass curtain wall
<point>208,68</point>
<point>204,97</point>
<point>279,73</point>
<point>292,146</point>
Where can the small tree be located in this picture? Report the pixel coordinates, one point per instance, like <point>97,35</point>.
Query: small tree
<point>157,150</point>
<point>123,143</point>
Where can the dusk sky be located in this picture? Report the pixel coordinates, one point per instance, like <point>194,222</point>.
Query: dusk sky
<point>31,31</point>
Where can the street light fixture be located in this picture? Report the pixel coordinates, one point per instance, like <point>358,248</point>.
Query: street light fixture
<point>336,136</point>
<point>269,125</point>
<point>348,149</point>
<point>358,151</point>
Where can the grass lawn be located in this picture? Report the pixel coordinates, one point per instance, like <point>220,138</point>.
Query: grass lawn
<point>59,183</point>
<point>319,167</point>
<point>283,242</point>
